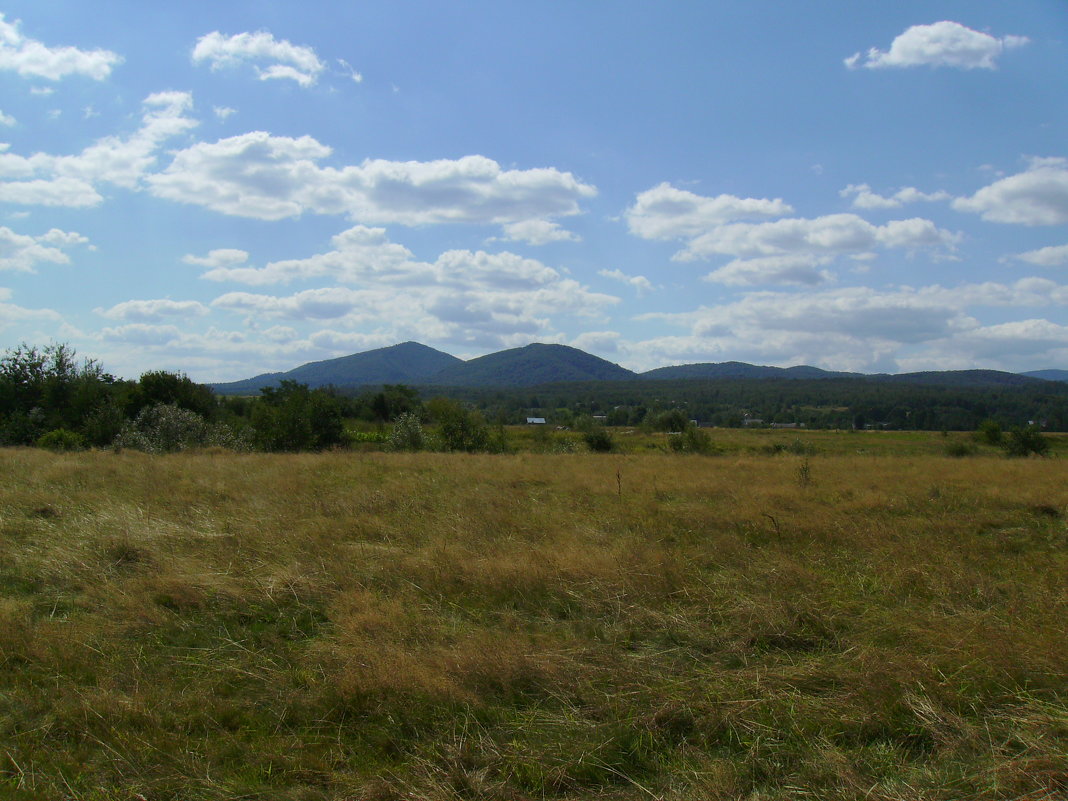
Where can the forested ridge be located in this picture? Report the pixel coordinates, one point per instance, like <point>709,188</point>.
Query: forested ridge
<point>816,403</point>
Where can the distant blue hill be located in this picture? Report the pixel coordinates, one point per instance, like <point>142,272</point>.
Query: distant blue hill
<point>415,364</point>
<point>1048,375</point>
<point>712,370</point>
<point>407,363</point>
<point>958,378</point>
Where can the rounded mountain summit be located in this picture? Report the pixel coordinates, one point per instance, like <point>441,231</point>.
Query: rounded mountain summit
<point>414,363</point>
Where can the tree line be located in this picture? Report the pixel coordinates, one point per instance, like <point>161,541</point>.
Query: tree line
<point>49,397</point>
<point>813,403</point>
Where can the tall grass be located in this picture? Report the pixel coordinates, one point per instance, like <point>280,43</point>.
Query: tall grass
<point>394,626</point>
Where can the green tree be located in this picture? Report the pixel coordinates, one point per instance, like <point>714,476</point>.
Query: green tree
<point>691,440</point>
<point>46,390</point>
<point>460,428</point>
<point>1026,441</point>
<point>673,420</point>
<point>393,401</point>
<point>292,417</point>
<point>176,389</point>
<point>990,432</point>
<point>599,440</point>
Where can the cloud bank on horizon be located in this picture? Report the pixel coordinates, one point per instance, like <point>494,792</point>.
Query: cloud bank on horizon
<point>245,192</point>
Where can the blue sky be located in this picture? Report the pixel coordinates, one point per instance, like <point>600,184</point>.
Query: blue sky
<point>229,188</point>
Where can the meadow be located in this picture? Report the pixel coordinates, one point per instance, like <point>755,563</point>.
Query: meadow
<point>858,616</point>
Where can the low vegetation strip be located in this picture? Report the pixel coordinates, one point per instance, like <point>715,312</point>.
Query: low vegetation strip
<point>209,625</point>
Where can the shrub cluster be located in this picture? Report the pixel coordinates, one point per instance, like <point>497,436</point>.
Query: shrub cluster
<point>691,440</point>
<point>291,417</point>
<point>167,428</point>
<point>1026,441</point>
<point>407,434</point>
<point>62,440</point>
<point>457,429</point>
<point>599,440</point>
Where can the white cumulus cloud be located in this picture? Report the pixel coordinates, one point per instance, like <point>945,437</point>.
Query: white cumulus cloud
<point>830,235</point>
<point>665,212</point>
<point>863,328</point>
<point>274,177</point>
<point>153,310</point>
<point>1052,256</point>
<point>794,268</point>
<point>218,258</point>
<point>279,58</point>
<point>312,304</point>
<point>471,298</point>
<point>865,198</point>
<point>785,251</point>
<point>49,180</point>
<point>941,44</point>
<point>538,232</point>
<point>1037,196</point>
<point>640,283</point>
<point>50,192</point>
<point>23,253</point>
<point>30,58</point>
<point>62,239</point>
<point>142,334</point>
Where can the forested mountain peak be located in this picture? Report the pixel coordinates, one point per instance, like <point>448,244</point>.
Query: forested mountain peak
<point>406,363</point>
<point>533,364</point>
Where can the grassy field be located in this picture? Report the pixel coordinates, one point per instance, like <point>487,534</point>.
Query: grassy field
<point>837,625</point>
<point>765,441</point>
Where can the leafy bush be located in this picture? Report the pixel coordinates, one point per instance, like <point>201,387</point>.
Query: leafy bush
<point>461,429</point>
<point>691,440</point>
<point>498,440</point>
<point>407,433</point>
<point>674,420</point>
<point>103,424</point>
<point>366,436</point>
<point>989,432</point>
<point>563,445</point>
<point>292,417</point>
<point>62,440</point>
<point>23,428</point>
<point>1026,441</point>
<point>165,428</point>
<point>544,440</point>
<point>959,449</point>
<point>599,440</point>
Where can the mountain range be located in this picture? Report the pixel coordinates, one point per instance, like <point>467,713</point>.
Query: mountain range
<point>416,364</point>
<point>407,363</point>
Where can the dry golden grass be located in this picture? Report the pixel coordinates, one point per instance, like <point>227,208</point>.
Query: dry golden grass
<point>436,626</point>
